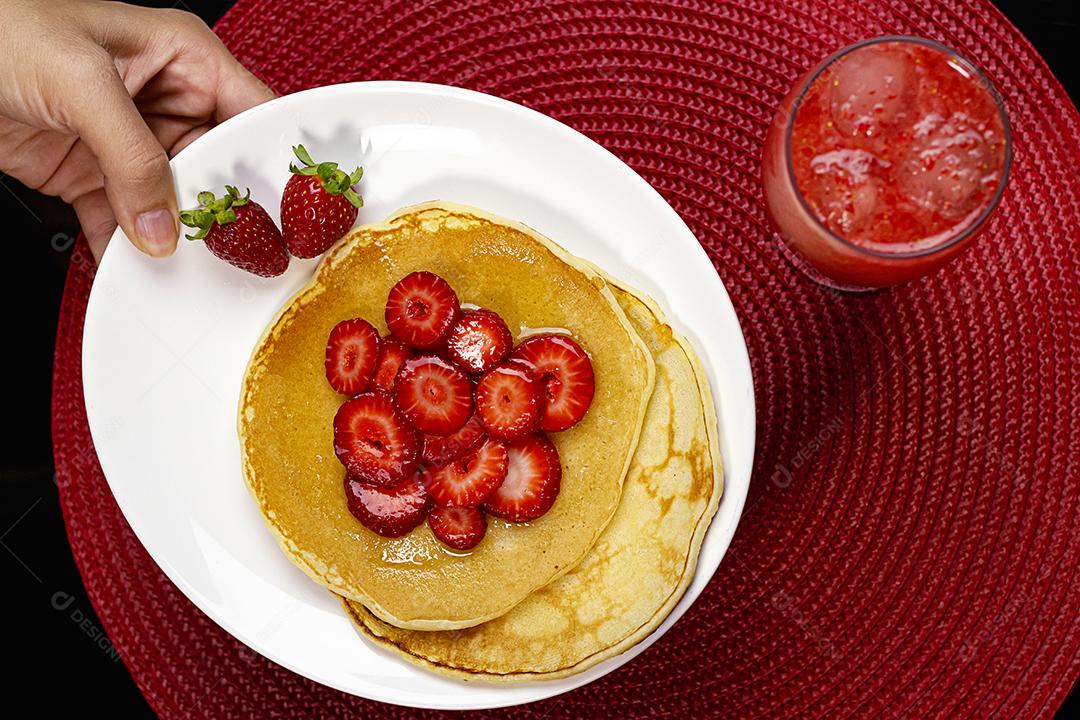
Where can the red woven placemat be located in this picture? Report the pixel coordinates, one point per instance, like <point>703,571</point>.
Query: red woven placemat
<point>911,543</point>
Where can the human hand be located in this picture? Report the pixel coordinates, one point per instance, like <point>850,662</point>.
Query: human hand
<point>96,96</point>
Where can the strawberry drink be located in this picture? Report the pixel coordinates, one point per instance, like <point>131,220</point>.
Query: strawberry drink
<point>885,162</point>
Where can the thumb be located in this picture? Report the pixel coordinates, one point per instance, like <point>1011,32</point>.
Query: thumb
<point>138,179</point>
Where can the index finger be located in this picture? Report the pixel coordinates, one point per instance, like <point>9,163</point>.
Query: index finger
<point>239,90</point>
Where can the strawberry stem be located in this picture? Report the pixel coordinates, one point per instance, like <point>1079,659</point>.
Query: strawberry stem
<point>213,209</point>
<point>333,179</point>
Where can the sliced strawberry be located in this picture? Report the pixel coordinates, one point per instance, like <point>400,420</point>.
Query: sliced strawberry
<point>391,355</point>
<point>423,474</point>
<point>421,309</point>
<point>533,473</point>
<point>351,355</point>
<point>467,481</point>
<point>479,340</point>
<point>441,449</point>
<point>509,400</point>
<point>373,441</point>
<point>433,395</point>
<point>458,527</point>
<point>389,511</point>
<point>566,374</point>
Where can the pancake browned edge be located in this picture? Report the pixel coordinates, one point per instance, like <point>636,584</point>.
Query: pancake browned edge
<point>548,635</point>
<point>286,407</point>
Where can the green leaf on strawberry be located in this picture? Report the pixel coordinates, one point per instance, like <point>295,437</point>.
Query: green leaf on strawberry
<point>214,210</point>
<point>335,181</point>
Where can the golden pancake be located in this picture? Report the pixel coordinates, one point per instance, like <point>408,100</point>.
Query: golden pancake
<point>287,408</point>
<point>641,564</point>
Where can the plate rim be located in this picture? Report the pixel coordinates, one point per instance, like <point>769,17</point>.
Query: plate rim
<point>736,475</point>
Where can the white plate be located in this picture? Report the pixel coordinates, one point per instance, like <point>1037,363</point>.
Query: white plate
<point>166,344</point>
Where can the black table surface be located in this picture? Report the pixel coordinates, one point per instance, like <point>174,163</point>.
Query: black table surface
<point>58,661</point>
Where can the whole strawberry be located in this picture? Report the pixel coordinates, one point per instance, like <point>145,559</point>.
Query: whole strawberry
<point>318,206</point>
<point>238,231</point>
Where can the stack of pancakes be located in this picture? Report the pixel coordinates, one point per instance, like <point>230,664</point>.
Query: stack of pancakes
<point>641,472</point>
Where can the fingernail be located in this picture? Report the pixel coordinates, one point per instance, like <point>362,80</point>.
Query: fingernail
<point>157,232</point>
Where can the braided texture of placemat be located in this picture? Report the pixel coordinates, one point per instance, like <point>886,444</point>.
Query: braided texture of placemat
<point>911,543</point>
